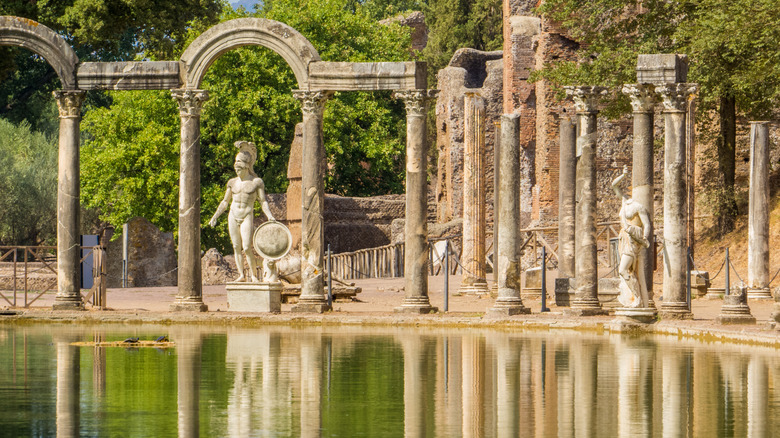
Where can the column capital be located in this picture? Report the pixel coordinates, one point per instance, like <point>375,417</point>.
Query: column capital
<point>190,101</point>
<point>312,102</point>
<point>69,102</point>
<point>675,96</point>
<point>586,97</point>
<point>416,101</point>
<point>643,97</point>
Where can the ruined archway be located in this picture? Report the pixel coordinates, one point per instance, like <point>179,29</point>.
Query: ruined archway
<point>31,35</point>
<point>296,50</point>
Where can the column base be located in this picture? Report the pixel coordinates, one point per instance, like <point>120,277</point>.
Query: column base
<point>759,294</point>
<point>67,303</point>
<point>585,307</point>
<point>504,311</point>
<point>477,287</point>
<point>672,310</point>
<point>641,315</point>
<point>735,311</point>
<point>419,305</point>
<point>188,305</point>
<point>311,305</point>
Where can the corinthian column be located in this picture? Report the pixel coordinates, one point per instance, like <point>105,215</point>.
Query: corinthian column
<point>190,296</point>
<point>68,244</point>
<point>643,100</point>
<point>416,228</point>
<point>312,297</point>
<point>586,301</point>
<point>473,256</point>
<point>675,98</point>
<point>758,217</point>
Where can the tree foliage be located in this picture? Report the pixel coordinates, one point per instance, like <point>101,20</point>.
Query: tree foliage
<point>131,153</point>
<point>455,24</point>
<point>28,178</point>
<point>734,52</point>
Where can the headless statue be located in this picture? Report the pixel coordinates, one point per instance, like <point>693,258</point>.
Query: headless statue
<point>634,235</point>
<point>241,194</point>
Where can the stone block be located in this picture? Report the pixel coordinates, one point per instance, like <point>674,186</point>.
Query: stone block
<point>564,291</point>
<point>700,283</point>
<point>532,285</point>
<point>659,69</point>
<point>367,76</point>
<point>133,75</point>
<point>735,309</point>
<point>151,256</point>
<point>254,297</point>
<point>608,289</point>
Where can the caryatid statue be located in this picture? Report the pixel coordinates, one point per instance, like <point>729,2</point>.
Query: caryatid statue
<point>242,192</point>
<point>634,235</point>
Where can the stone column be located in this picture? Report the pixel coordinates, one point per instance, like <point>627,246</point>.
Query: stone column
<point>567,180</point>
<point>416,229</point>
<point>473,255</point>
<point>68,207</point>
<point>586,301</point>
<point>758,218</point>
<point>190,295</point>
<point>68,386</point>
<point>312,297</point>
<point>508,268</point>
<point>675,98</point>
<point>643,100</point>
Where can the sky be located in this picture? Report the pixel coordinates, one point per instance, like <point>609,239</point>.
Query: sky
<point>247,4</point>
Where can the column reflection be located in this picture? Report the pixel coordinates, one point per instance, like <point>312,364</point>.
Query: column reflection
<point>188,361</point>
<point>68,386</point>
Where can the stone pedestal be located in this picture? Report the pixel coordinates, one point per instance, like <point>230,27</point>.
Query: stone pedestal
<point>254,297</point>
<point>508,268</point>
<point>700,283</point>
<point>586,302</point>
<point>416,225</point>
<point>68,207</point>
<point>643,315</point>
<point>532,288</point>
<point>775,316</point>
<point>564,291</point>
<point>758,216</point>
<point>190,295</point>
<point>675,300</point>
<point>735,309</point>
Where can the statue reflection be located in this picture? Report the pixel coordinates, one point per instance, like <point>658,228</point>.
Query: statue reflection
<point>635,386</point>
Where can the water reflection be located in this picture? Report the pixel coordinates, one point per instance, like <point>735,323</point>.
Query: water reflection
<point>285,381</point>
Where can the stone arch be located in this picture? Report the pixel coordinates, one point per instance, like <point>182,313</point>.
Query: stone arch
<point>31,35</point>
<point>279,37</point>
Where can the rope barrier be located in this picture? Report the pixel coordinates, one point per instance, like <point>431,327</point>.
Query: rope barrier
<point>735,271</point>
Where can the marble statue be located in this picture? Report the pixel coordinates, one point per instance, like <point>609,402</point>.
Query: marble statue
<point>634,235</point>
<point>242,193</point>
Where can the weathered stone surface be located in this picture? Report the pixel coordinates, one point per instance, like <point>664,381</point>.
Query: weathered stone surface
<point>660,69</point>
<point>735,309</point>
<point>151,256</point>
<point>469,71</point>
<point>758,212</point>
<point>254,297</point>
<point>367,76</point>
<point>294,201</point>
<point>416,21</point>
<point>134,75</point>
<point>217,269</point>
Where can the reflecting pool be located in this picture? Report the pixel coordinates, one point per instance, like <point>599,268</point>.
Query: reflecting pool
<point>358,381</point>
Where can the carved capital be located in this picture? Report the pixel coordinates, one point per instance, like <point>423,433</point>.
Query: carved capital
<point>586,97</point>
<point>312,102</point>
<point>675,96</point>
<point>416,101</point>
<point>190,101</point>
<point>69,103</point>
<point>643,97</point>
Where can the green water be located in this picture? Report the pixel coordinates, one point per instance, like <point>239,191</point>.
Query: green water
<point>352,381</point>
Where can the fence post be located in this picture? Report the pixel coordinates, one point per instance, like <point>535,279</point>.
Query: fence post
<point>446,274</point>
<point>330,280</point>
<point>544,279</point>
<point>728,268</point>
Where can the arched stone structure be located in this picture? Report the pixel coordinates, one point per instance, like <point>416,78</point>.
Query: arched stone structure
<point>31,35</point>
<point>279,37</point>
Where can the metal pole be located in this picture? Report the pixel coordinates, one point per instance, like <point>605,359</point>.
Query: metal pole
<point>728,267</point>
<point>330,281</point>
<point>446,275</point>
<point>544,279</point>
<point>688,276</point>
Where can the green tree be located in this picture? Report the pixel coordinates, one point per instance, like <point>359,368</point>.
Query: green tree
<point>28,178</point>
<point>130,157</point>
<point>455,24</point>
<point>734,51</point>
